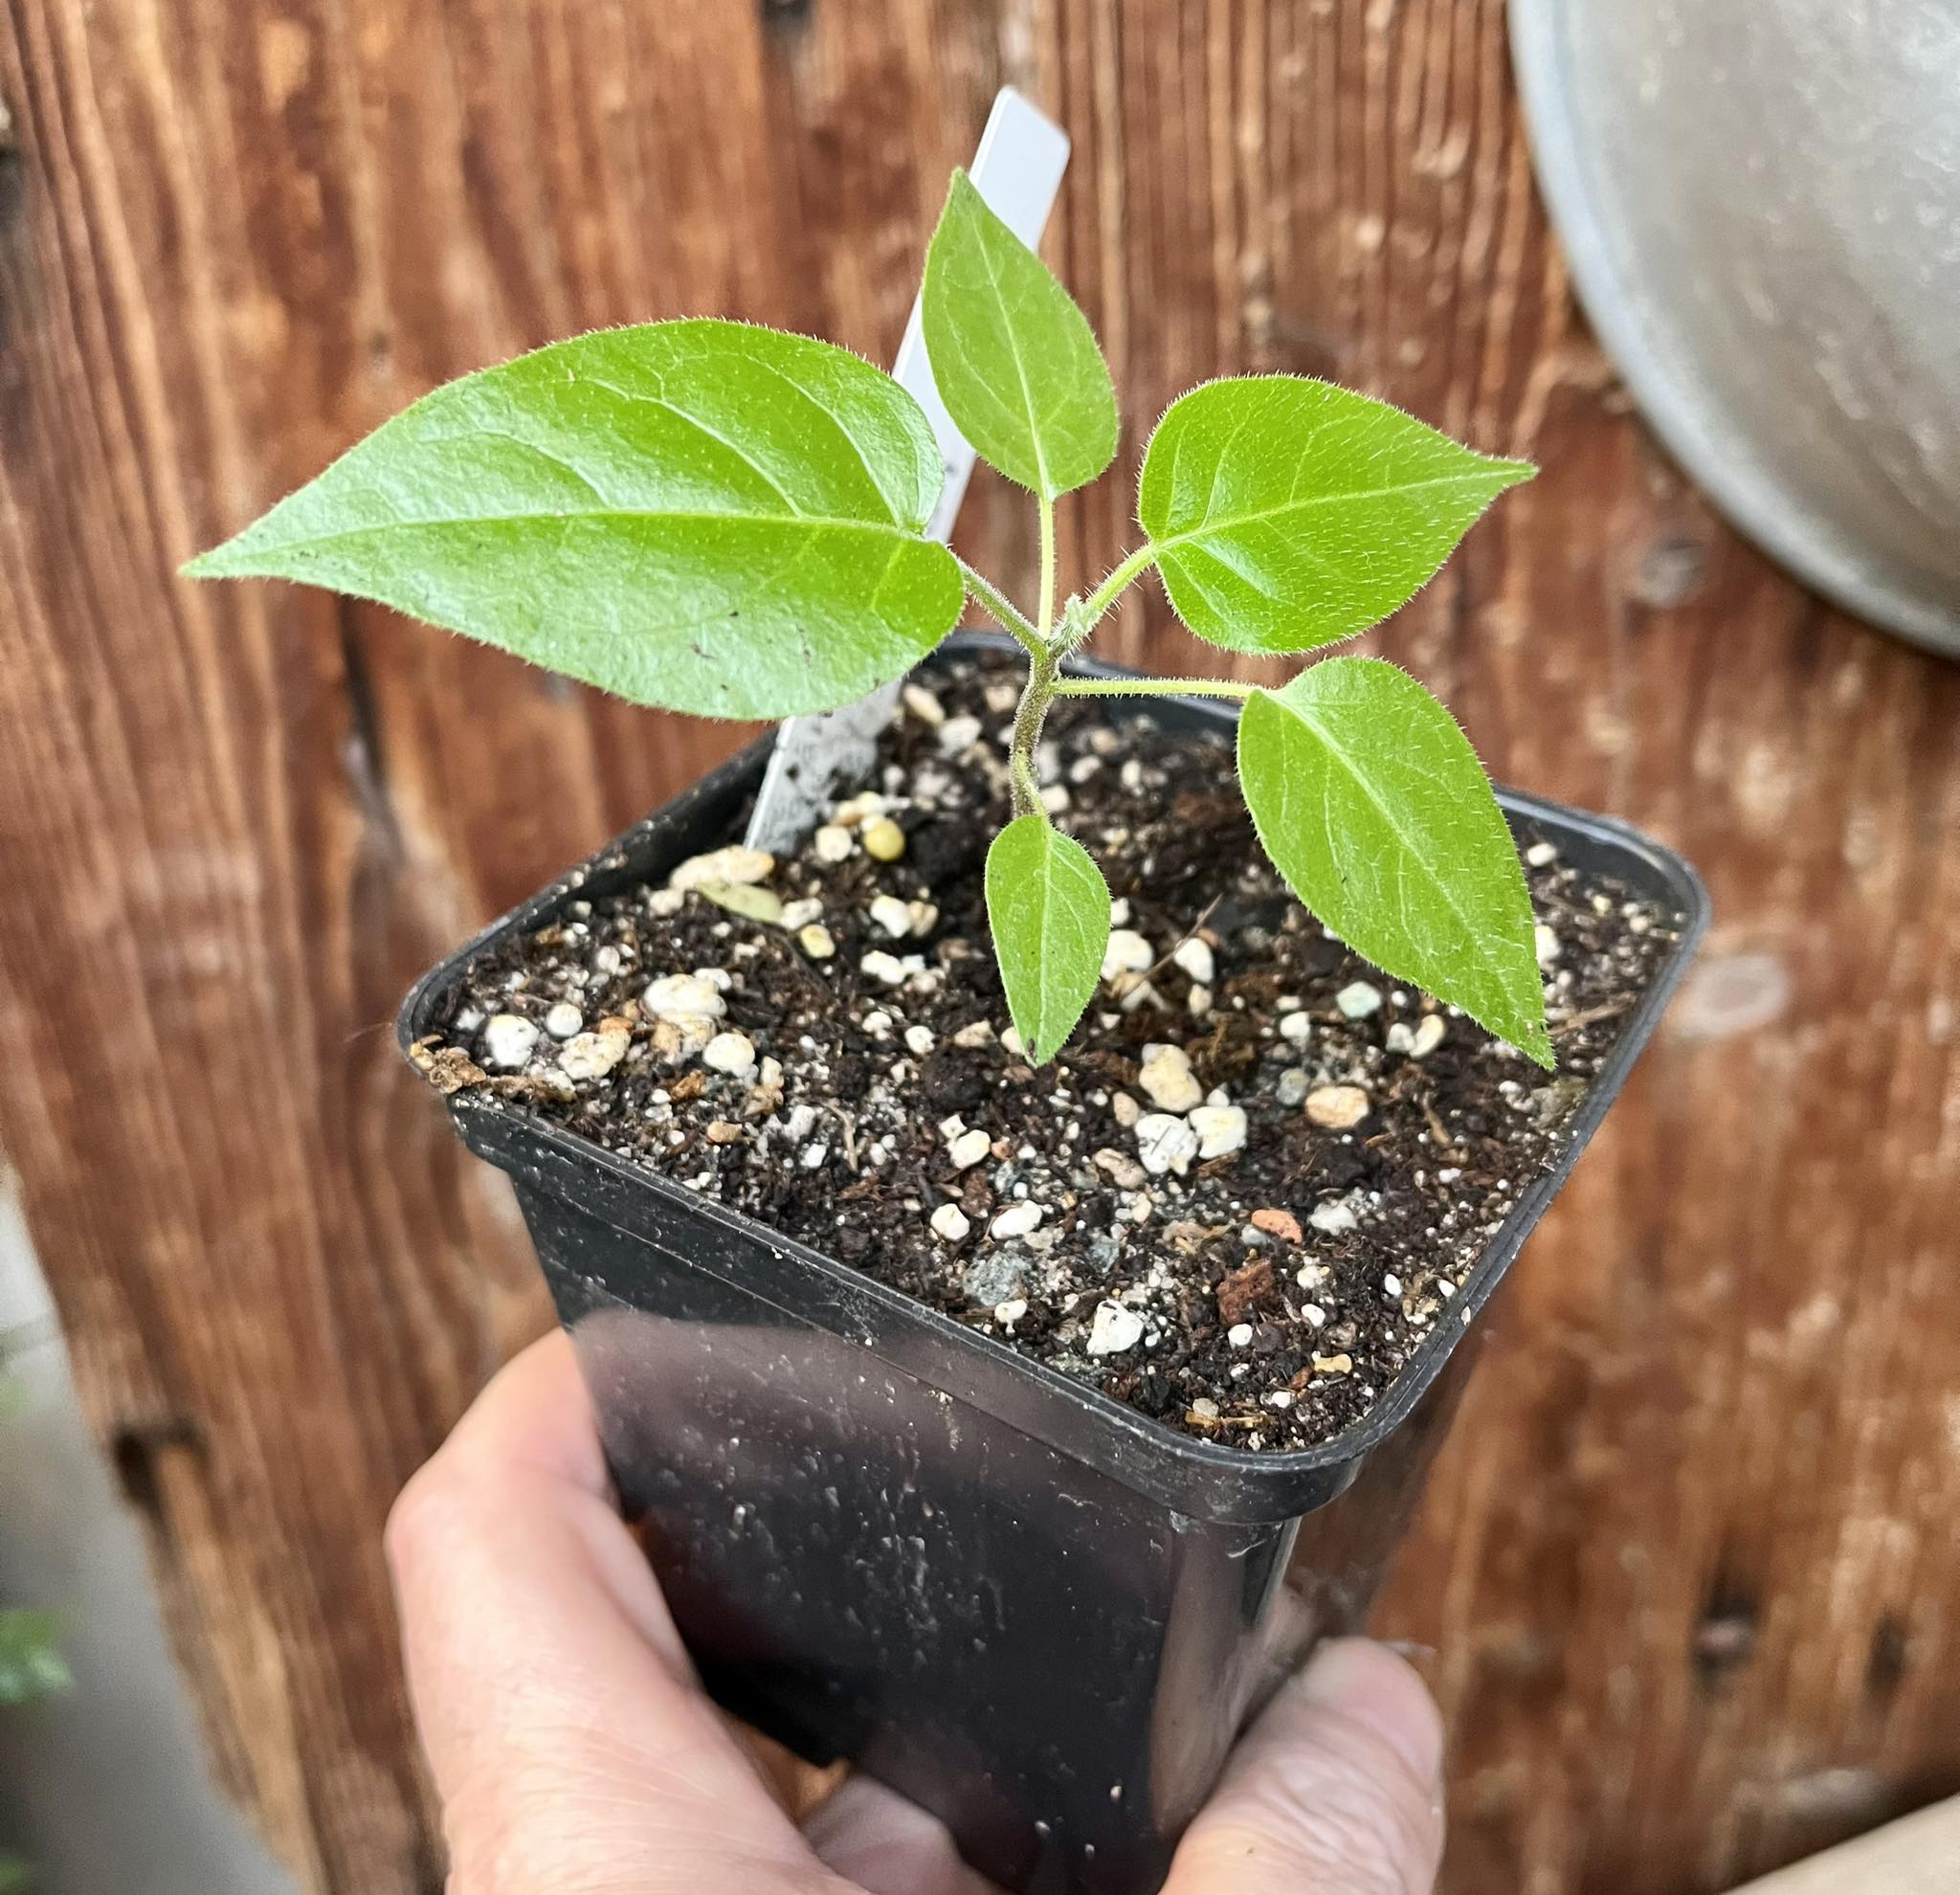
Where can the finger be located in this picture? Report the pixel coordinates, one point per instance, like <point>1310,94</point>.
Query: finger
<point>880,1842</point>
<point>1337,1788</point>
<point>573,1750</point>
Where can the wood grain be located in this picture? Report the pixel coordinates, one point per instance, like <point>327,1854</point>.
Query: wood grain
<point>1687,1568</point>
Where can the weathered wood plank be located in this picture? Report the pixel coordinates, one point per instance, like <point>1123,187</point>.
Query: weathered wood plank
<point>1687,1564</point>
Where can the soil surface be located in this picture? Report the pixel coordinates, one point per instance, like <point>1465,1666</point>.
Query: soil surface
<point>1239,1200</point>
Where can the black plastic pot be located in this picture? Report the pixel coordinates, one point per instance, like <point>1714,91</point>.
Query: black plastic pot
<point>889,1538</point>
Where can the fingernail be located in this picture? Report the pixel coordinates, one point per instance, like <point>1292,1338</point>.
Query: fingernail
<point>1367,1682</point>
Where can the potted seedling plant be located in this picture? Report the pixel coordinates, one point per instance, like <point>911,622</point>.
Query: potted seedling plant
<point>1024,1238</point>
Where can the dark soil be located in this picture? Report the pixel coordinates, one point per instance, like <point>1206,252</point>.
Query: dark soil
<point>1265,1297</point>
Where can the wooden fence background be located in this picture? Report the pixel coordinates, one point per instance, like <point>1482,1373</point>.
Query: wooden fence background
<point>1688,1568</point>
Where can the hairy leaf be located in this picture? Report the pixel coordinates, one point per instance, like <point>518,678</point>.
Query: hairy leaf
<point>1014,360</point>
<point>1373,804</point>
<point>1048,907</point>
<point>702,515</point>
<point>1289,513</point>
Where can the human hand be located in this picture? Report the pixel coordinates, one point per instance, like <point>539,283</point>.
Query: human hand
<point>575,1753</point>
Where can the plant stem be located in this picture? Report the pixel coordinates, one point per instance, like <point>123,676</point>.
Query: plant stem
<point>1046,623</point>
<point>1029,718</point>
<point>1044,661</point>
<point>1048,644</point>
<point>1104,595</point>
<point>998,607</point>
<point>1153,687</point>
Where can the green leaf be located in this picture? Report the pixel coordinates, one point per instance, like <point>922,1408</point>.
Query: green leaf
<point>1373,804</point>
<point>1048,907</point>
<point>1288,513</point>
<point>1014,360</point>
<point>31,1660</point>
<point>702,515</point>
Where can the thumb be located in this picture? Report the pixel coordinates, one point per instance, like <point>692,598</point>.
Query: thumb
<point>1336,1788</point>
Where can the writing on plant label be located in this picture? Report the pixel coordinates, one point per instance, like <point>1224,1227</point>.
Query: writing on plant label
<point>721,519</point>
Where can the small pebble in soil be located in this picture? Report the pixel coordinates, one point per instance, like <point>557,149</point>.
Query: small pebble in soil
<point>1165,1143</point>
<point>732,864</point>
<point>1195,957</point>
<point>884,839</point>
<point>1127,952</point>
<point>1119,1169</point>
<point>509,1041</point>
<point>592,1055</point>
<point>1016,1220</point>
<point>564,1021</point>
<point>992,1280</point>
<point>1338,1215</point>
<point>684,997</point>
<point>1114,1330</point>
<point>968,1149</point>
<point>731,1053</point>
<point>1220,1130</point>
<point>892,915</point>
<point>1358,999</point>
<point>817,941</point>
<point>924,705</point>
<point>1337,1107</point>
<point>1166,1077</point>
<point>951,1223</point>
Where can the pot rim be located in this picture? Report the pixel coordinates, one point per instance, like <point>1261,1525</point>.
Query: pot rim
<point>494,1127</point>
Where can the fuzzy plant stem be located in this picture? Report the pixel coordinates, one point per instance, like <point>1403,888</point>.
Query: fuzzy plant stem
<point>1047,643</point>
<point>1153,687</point>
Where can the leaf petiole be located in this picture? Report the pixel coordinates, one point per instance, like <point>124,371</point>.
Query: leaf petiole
<point>1046,625</point>
<point>1002,610</point>
<point>1153,687</point>
<point>1105,595</point>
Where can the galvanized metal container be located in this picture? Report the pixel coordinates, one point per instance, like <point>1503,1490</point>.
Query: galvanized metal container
<point>1760,201</point>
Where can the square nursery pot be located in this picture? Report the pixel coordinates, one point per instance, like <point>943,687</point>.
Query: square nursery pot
<point>889,1538</point>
